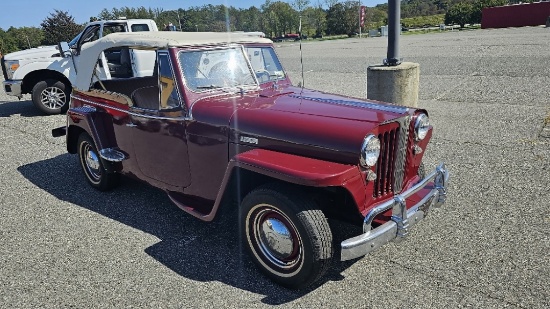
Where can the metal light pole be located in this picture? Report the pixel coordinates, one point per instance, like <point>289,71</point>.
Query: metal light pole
<point>395,81</point>
<point>394,24</point>
<point>179,20</point>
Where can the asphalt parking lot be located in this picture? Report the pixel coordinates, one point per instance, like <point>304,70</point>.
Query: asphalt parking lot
<point>64,244</point>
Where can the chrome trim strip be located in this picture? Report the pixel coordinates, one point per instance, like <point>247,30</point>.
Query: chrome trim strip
<point>84,109</point>
<point>402,219</point>
<point>381,107</point>
<point>126,111</point>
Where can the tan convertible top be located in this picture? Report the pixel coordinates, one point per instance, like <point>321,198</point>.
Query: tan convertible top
<point>152,40</point>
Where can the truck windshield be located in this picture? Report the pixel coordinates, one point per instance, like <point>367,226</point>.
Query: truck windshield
<point>216,68</point>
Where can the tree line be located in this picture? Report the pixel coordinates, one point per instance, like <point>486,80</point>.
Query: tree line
<point>274,18</point>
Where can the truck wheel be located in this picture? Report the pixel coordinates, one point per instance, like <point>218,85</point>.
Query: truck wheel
<point>51,96</point>
<point>93,167</point>
<point>286,235</point>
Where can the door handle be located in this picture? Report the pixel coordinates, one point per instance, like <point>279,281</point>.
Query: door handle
<point>131,125</point>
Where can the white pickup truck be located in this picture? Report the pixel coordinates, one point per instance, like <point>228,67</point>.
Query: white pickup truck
<point>44,74</point>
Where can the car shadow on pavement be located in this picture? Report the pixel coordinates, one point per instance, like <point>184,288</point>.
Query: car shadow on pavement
<point>24,108</point>
<point>194,249</point>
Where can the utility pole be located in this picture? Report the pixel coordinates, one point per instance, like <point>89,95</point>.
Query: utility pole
<point>394,81</point>
<point>394,28</point>
<point>179,20</point>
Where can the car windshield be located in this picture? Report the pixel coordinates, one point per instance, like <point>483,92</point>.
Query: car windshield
<point>265,63</point>
<point>216,69</point>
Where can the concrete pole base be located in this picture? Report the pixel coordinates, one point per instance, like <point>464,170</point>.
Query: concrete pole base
<point>394,84</point>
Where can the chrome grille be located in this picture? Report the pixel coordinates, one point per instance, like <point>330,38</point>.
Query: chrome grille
<point>401,154</point>
<point>390,168</point>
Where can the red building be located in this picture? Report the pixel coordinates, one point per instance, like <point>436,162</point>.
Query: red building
<point>517,15</point>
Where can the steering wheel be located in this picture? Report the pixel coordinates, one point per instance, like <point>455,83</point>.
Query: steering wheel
<point>262,75</point>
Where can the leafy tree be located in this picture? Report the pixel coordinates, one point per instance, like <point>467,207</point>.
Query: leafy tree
<point>7,42</point>
<point>127,12</point>
<point>314,20</point>
<point>331,3</point>
<point>460,13</point>
<point>300,5</point>
<point>375,17</point>
<point>26,37</point>
<point>279,18</point>
<point>343,18</point>
<point>58,27</point>
<point>251,20</point>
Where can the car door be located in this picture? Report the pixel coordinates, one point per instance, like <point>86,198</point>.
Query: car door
<point>159,124</point>
<point>90,34</point>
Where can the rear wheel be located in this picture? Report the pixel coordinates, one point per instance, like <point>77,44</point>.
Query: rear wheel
<point>92,165</point>
<point>51,96</point>
<point>287,236</point>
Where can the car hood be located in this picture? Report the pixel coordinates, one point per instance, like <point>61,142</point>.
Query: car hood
<point>310,123</point>
<point>317,103</point>
<point>33,53</point>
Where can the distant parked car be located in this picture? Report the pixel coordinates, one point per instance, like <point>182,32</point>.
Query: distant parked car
<point>219,124</point>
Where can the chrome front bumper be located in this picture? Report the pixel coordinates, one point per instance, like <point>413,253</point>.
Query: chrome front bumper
<point>12,87</point>
<point>402,219</point>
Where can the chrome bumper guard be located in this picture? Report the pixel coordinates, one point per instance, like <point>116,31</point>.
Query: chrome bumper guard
<point>402,219</point>
<point>12,87</point>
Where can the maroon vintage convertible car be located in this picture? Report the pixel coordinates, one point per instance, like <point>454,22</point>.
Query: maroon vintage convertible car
<point>218,121</point>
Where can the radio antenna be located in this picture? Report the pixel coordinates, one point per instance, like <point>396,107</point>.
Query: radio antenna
<point>301,58</point>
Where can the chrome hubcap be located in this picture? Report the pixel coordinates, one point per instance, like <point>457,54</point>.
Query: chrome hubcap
<point>53,97</point>
<point>276,238</point>
<point>92,162</point>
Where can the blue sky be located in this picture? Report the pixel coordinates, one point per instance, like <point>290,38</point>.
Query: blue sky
<point>28,13</point>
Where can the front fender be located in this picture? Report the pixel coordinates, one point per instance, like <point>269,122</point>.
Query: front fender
<point>291,169</point>
<point>61,65</point>
<point>296,169</point>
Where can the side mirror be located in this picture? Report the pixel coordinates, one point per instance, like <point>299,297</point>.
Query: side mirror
<point>64,49</point>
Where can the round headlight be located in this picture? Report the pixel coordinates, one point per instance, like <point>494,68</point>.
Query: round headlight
<point>370,150</point>
<point>421,127</point>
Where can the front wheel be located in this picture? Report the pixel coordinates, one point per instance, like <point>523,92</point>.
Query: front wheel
<point>287,236</point>
<point>51,96</point>
<point>92,165</point>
